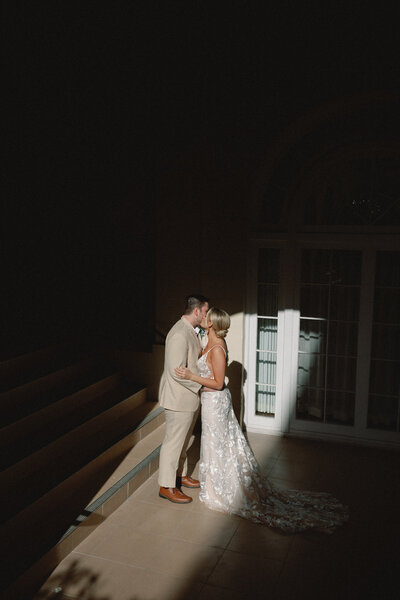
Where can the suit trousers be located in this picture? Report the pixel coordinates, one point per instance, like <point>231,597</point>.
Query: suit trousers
<point>173,459</point>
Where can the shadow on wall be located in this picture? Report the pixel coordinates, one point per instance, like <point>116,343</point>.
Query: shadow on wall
<point>237,376</point>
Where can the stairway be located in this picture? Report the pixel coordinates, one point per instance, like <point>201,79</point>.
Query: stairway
<point>76,439</point>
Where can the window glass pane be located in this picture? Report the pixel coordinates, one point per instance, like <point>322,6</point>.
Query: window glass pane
<point>267,330</point>
<point>346,267</point>
<point>266,367</point>
<point>312,336</point>
<point>315,264</point>
<point>341,373</point>
<point>311,370</point>
<point>265,400</point>
<point>340,407</point>
<point>329,306</point>
<point>314,301</point>
<point>343,338</point>
<point>336,266</point>
<point>345,302</point>
<point>267,300</point>
<point>385,341</point>
<point>310,404</point>
<point>267,334</point>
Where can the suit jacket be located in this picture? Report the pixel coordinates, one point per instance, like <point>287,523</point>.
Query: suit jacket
<point>182,347</point>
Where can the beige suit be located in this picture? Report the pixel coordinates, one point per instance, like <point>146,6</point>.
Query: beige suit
<point>180,398</point>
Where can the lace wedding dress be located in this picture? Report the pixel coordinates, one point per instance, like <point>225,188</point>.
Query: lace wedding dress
<point>232,482</point>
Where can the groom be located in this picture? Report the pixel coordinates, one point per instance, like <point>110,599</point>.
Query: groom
<point>180,398</point>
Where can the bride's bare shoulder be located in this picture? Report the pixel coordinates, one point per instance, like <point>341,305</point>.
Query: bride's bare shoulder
<point>222,346</point>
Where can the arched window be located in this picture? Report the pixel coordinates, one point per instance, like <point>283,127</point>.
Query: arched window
<point>337,167</point>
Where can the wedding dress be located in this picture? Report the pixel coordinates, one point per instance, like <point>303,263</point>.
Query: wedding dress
<point>232,482</point>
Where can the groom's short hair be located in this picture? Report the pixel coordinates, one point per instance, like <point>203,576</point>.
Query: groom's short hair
<point>193,301</point>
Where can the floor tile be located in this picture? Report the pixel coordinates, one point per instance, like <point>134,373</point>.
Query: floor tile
<point>139,584</point>
<point>245,573</point>
<point>265,447</point>
<point>81,576</point>
<point>320,547</point>
<point>295,469</point>
<point>128,546</point>
<point>162,553</point>
<point>313,580</point>
<point>153,585</point>
<point>101,532</point>
<point>136,516</point>
<point>151,549</point>
<point>195,560</point>
<point>267,466</point>
<point>212,592</point>
<point>256,540</point>
<point>209,529</point>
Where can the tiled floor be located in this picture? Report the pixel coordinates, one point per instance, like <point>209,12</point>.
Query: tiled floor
<point>150,549</point>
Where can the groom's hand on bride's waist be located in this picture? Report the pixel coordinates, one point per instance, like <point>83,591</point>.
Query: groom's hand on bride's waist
<point>183,372</point>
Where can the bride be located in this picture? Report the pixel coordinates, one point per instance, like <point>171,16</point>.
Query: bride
<point>230,477</point>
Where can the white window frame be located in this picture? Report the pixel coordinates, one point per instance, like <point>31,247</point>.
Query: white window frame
<point>285,421</point>
<point>254,422</point>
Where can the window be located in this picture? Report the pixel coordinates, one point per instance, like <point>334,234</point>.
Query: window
<point>323,353</point>
<point>267,331</point>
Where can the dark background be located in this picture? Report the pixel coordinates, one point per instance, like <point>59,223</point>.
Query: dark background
<point>100,96</point>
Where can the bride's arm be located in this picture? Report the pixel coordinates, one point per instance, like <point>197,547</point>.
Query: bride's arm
<point>218,364</point>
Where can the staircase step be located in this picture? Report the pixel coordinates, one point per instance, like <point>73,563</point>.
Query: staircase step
<point>41,427</point>
<point>55,523</point>
<point>17,403</point>
<point>35,474</point>
<point>19,370</point>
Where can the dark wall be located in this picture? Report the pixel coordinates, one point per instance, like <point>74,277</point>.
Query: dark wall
<point>103,98</point>
<point>79,205</point>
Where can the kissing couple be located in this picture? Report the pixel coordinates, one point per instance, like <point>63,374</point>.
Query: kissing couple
<point>230,478</point>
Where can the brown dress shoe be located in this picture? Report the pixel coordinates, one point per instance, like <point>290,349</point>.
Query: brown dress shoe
<point>174,495</point>
<point>188,482</point>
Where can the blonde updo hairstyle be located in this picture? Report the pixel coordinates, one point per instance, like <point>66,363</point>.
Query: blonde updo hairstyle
<point>221,321</point>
